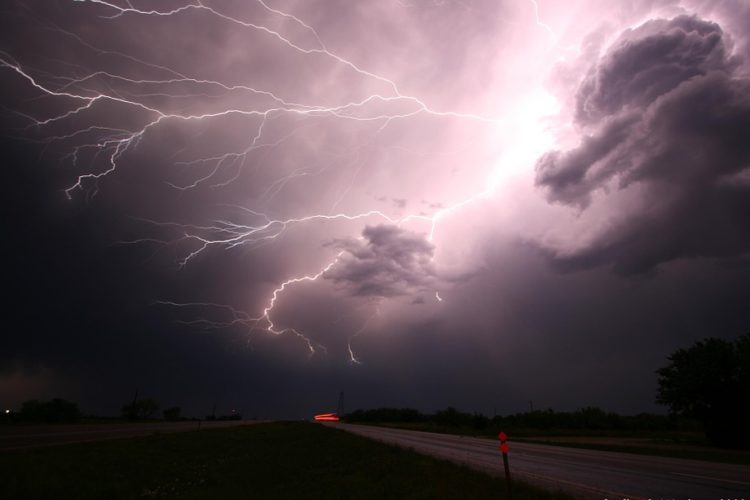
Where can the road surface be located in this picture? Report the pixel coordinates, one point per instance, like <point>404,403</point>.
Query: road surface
<point>583,473</point>
<point>14,437</point>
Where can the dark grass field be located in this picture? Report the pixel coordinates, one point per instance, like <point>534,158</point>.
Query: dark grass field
<point>277,460</point>
<point>690,445</point>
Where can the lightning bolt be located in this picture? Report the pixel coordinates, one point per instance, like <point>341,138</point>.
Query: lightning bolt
<point>539,23</point>
<point>353,359</point>
<point>82,92</point>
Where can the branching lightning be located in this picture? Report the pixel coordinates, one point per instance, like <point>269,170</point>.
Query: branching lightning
<point>113,143</point>
<point>539,23</point>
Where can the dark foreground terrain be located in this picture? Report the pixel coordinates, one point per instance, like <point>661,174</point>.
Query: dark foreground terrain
<point>17,437</point>
<point>677,444</point>
<point>587,474</point>
<point>275,460</point>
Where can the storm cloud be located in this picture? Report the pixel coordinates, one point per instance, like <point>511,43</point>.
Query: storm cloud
<point>387,262</point>
<point>665,114</point>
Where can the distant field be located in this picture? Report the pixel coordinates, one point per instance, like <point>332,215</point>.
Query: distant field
<point>277,460</point>
<point>692,445</point>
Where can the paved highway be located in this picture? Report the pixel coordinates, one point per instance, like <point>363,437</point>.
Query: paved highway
<point>583,473</point>
<point>14,437</point>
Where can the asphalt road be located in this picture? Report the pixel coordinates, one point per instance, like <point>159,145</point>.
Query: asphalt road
<point>14,437</point>
<point>583,473</point>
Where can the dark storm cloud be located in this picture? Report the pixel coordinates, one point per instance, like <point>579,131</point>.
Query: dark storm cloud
<point>386,262</point>
<point>648,62</point>
<point>572,175</point>
<point>667,114</point>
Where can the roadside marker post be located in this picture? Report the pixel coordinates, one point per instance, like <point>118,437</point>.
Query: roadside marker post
<point>504,449</point>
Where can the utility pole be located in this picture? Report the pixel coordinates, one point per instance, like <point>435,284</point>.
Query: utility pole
<point>340,409</point>
<point>133,411</point>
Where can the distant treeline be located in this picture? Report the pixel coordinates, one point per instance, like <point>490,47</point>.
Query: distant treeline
<point>61,411</point>
<point>53,411</point>
<point>584,418</point>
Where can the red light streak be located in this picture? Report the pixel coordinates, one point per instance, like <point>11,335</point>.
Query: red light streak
<point>327,417</point>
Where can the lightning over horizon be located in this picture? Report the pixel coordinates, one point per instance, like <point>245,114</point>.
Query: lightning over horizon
<point>114,142</point>
<point>487,213</point>
<point>382,192</point>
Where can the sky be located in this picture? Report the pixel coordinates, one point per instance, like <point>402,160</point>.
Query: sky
<point>490,205</point>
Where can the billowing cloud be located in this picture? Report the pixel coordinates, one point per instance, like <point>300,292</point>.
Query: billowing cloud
<point>665,113</point>
<point>386,262</point>
<point>649,61</point>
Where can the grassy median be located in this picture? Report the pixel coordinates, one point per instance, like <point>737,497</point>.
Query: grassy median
<point>278,460</point>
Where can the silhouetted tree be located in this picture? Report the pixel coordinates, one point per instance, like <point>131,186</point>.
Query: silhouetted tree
<point>172,413</point>
<point>710,381</point>
<point>54,411</point>
<point>453,418</point>
<point>386,415</point>
<point>142,408</point>
<point>585,418</point>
